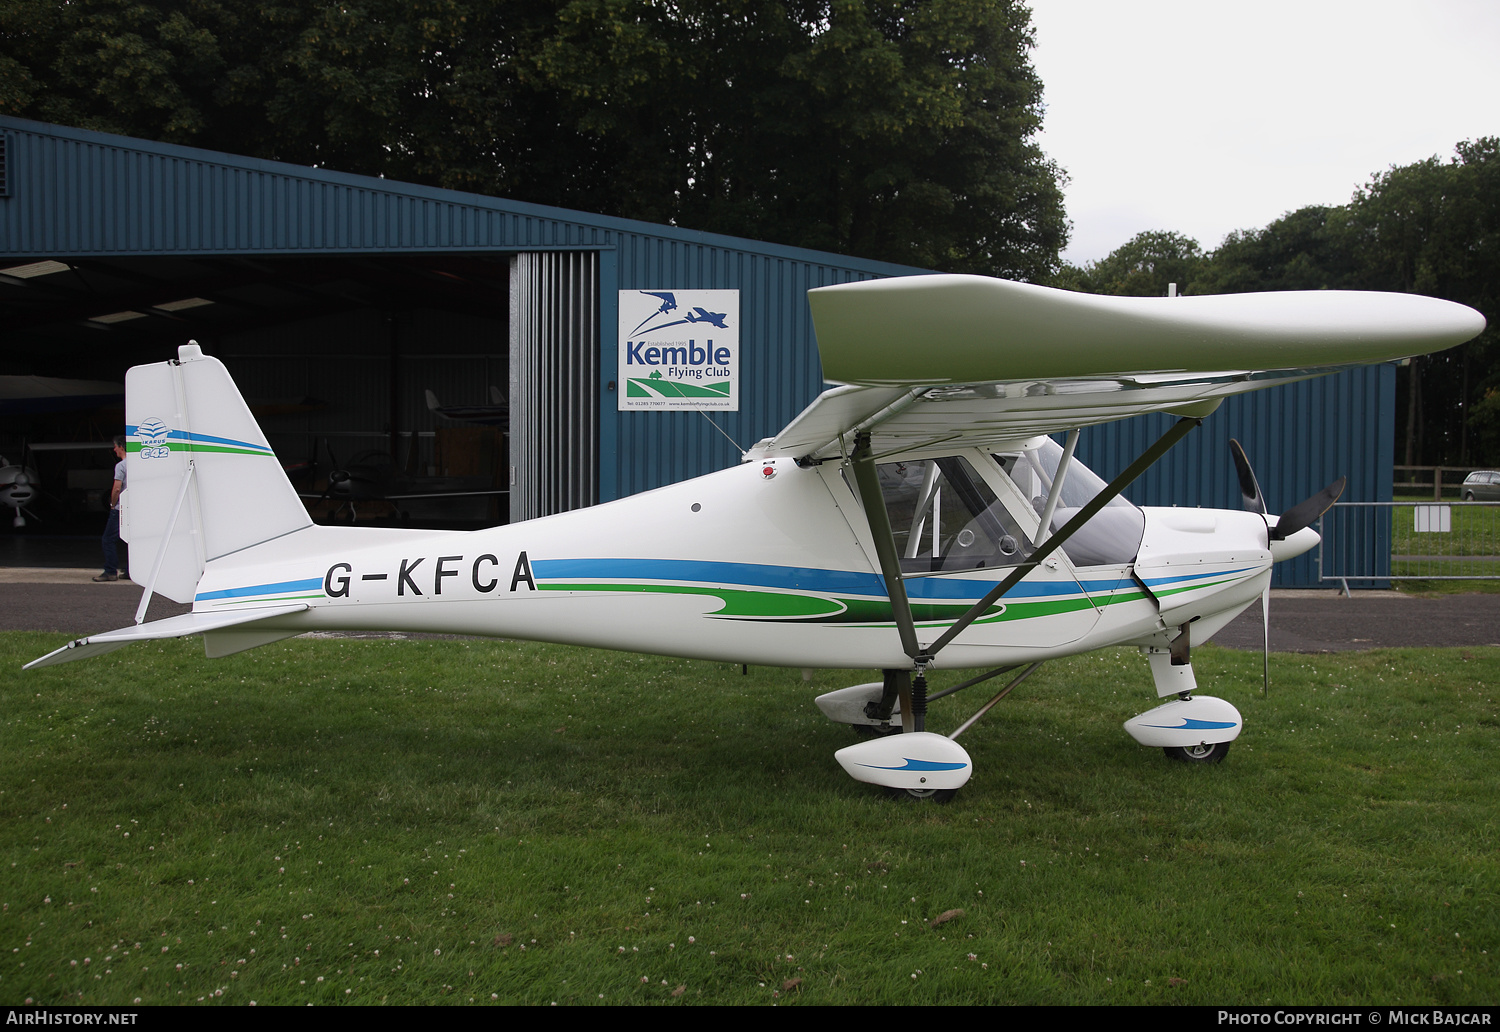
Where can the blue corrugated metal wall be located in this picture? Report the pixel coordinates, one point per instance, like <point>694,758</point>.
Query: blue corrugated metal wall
<point>80,193</point>
<point>1299,438</point>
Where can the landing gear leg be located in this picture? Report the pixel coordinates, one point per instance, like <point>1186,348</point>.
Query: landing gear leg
<point>874,714</point>
<point>918,699</point>
<point>897,689</point>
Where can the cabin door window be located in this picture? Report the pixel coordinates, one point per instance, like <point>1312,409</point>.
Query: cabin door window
<point>1111,538</point>
<point>944,517</point>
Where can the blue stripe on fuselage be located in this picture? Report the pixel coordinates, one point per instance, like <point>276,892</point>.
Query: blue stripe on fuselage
<point>261,589</point>
<point>1154,581</point>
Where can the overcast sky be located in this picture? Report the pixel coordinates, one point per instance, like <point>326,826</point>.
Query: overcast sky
<point>1204,118</point>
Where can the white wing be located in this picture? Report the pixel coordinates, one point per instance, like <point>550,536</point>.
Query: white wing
<point>928,359</point>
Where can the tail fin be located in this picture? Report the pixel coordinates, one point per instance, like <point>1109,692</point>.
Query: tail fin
<point>200,479</point>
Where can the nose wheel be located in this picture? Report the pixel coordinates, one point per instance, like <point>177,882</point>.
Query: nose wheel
<point>1204,752</point>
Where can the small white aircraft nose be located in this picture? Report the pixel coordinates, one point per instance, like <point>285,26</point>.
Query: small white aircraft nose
<point>1294,545</point>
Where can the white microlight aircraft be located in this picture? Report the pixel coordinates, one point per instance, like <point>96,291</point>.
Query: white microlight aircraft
<point>917,515</point>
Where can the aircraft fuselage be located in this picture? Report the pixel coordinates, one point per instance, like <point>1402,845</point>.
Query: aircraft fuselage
<point>766,563</point>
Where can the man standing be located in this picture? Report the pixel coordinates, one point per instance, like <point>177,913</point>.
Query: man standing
<point>111,539</point>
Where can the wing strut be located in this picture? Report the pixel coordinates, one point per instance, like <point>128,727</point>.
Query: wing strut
<point>1147,459</point>
<point>868,483</point>
<point>1045,523</point>
<point>166,540</point>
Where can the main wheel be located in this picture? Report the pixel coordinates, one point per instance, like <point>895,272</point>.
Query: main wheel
<point>875,730</point>
<point>1213,752</point>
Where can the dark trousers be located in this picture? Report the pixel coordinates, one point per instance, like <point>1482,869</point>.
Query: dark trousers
<point>111,542</point>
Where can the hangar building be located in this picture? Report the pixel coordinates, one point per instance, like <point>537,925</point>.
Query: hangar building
<point>339,302</point>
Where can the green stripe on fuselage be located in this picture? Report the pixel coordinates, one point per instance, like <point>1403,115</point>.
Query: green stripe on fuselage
<point>775,606</point>
<point>737,602</point>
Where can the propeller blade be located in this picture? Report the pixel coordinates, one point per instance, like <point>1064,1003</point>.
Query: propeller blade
<point>1253,500</point>
<point>1303,513</point>
<point>1265,638</point>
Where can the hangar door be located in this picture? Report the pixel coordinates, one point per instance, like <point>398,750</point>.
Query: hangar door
<point>554,358</point>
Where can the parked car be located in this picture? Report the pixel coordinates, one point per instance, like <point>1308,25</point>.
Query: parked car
<point>1482,485</point>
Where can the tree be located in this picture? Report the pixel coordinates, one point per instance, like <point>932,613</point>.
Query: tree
<point>112,65</point>
<point>900,130</point>
<point>1433,227</point>
<point>1308,249</point>
<point>1144,266</point>
<point>421,90</point>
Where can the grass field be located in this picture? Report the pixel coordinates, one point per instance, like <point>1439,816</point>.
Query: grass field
<point>430,821</point>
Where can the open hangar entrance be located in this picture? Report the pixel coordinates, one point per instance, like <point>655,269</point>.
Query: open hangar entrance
<point>336,356</point>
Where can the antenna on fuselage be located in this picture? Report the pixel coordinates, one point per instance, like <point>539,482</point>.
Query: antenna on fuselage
<point>721,430</point>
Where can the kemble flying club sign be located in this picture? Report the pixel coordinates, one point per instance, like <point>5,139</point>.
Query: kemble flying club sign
<point>679,349</point>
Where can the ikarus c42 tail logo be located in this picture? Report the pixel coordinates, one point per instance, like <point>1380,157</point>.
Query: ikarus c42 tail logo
<point>153,437</point>
<point>679,349</point>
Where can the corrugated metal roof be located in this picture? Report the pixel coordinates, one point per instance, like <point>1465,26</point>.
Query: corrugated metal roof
<point>89,193</point>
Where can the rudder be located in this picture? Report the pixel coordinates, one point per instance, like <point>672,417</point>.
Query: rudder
<point>201,479</point>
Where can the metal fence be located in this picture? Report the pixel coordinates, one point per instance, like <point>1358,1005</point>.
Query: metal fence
<point>1439,479</point>
<point>1377,542</point>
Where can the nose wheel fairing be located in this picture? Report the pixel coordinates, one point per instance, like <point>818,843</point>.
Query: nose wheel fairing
<point>1187,724</point>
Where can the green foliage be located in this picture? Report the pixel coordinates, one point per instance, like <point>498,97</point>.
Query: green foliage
<point>1303,250</point>
<point>1145,265</point>
<point>892,129</point>
<point>1484,419</point>
<point>114,64</point>
<point>1434,228</point>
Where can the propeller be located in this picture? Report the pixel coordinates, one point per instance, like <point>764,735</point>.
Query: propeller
<point>1251,498</point>
<point>338,485</point>
<point>1298,517</point>
<point>1306,511</point>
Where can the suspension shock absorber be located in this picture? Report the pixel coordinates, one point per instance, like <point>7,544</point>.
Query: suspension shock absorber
<point>919,698</point>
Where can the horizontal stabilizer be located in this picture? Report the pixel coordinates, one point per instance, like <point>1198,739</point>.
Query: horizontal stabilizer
<point>174,627</point>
